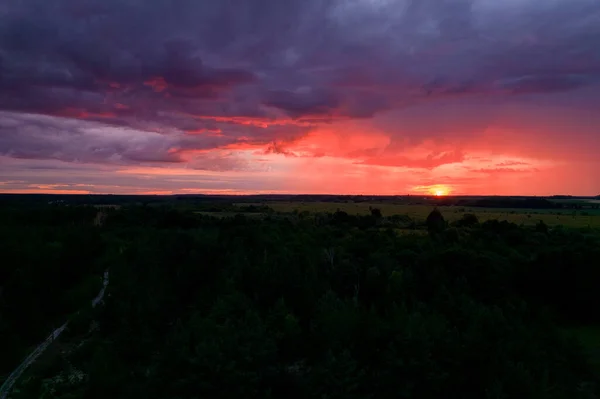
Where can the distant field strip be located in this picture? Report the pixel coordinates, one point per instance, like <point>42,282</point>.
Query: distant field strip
<point>552,217</point>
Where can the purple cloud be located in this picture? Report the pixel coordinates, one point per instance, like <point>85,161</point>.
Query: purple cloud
<point>134,82</point>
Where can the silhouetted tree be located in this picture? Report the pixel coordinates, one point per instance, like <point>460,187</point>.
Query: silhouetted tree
<point>435,221</point>
<point>541,227</point>
<point>376,212</point>
<point>468,220</point>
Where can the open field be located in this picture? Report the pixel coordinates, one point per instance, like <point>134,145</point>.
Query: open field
<point>230,214</point>
<point>552,217</point>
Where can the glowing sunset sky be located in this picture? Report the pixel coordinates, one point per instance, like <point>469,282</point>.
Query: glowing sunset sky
<point>300,96</point>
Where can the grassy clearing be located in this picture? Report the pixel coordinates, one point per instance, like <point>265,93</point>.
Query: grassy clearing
<point>551,217</point>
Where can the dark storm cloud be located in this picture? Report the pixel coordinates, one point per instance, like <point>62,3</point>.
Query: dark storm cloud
<point>165,67</point>
<point>298,104</point>
<point>541,83</point>
<point>33,137</point>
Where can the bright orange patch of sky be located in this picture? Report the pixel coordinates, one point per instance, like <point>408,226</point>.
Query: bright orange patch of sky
<point>521,151</point>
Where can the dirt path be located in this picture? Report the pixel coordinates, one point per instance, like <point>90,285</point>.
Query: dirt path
<point>10,381</point>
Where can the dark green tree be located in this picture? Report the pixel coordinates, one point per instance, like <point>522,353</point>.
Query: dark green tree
<point>435,222</point>
<point>467,220</point>
<point>376,212</point>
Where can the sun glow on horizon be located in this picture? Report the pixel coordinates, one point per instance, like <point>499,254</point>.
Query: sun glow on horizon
<point>439,191</point>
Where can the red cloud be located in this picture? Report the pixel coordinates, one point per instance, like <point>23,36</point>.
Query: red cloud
<point>83,114</point>
<point>504,170</point>
<point>206,132</point>
<point>430,161</point>
<point>157,83</point>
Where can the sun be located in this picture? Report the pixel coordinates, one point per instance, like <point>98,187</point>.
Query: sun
<point>439,191</point>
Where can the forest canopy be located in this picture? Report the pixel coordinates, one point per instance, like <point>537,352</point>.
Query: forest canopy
<point>328,305</point>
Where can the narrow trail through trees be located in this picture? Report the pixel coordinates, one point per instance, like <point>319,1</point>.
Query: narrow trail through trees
<point>10,381</point>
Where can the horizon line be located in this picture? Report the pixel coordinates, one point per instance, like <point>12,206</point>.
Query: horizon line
<point>297,195</point>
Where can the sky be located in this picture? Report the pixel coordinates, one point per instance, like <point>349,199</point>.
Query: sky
<point>390,97</point>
